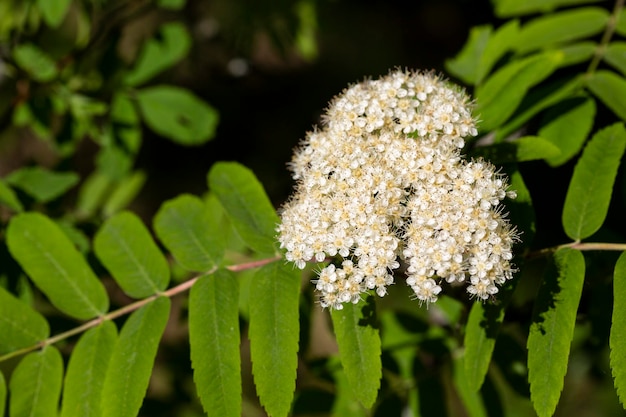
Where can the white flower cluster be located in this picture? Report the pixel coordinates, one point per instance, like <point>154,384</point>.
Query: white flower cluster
<point>383,182</point>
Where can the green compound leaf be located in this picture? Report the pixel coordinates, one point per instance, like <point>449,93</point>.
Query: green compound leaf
<point>610,88</point>
<point>561,27</point>
<point>54,11</point>
<point>132,360</point>
<point>357,335</point>
<point>57,268</point>
<point>214,342</point>
<point>567,125</point>
<point>35,62</point>
<point>9,199</point>
<point>191,231</point>
<point>502,93</point>
<point>552,329</point>
<point>527,148</point>
<point>617,340</point>
<point>84,380</point>
<point>501,42</point>
<point>3,394</point>
<point>507,8</point>
<point>274,332</point>
<point>177,114</point>
<point>159,53</point>
<point>615,55</point>
<point>126,249</point>
<point>246,204</point>
<point>41,184</point>
<point>589,193</point>
<point>20,325</point>
<point>35,385</point>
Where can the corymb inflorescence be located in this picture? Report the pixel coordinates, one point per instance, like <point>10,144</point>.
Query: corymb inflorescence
<point>382,182</point>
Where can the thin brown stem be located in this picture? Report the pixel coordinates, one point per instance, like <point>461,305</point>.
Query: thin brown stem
<point>606,37</point>
<point>127,309</point>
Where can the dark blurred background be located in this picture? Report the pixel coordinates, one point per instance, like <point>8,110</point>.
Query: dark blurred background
<point>268,97</point>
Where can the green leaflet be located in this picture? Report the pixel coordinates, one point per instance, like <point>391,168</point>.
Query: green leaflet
<point>617,340</point>
<point>246,204</point>
<point>577,53</point>
<point>20,325</point>
<point>55,266</point>
<point>41,184</point>
<point>620,26</point>
<point>125,191</point>
<point>465,64</point>
<point>159,53</point>
<point>589,193</point>
<point>53,12</point>
<point>125,247</point>
<point>537,100</point>
<point>214,341</point>
<point>3,394</point>
<point>131,362</point>
<point>507,8</point>
<point>84,380</point>
<point>35,385</point>
<point>35,62</point>
<point>610,88</point>
<point>471,398</point>
<point>481,52</point>
<point>345,404</point>
<point>552,329</point>
<point>92,194</point>
<point>177,114</point>
<point>527,148</point>
<point>616,56</point>
<point>274,333</point>
<point>501,94</point>
<point>567,126</point>
<point>561,27</point>
<point>8,198</point>
<point>191,232</point>
<point>356,330</point>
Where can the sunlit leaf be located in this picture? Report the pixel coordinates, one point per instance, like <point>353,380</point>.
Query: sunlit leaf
<point>214,341</point>
<point>589,193</point>
<point>57,268</point>
<point>246,204</point>
<point>356,329</point>
<point>567,126</point>
<point>35,385</point>
<point>84,380</point>
<point>191,232</point>
<point>552,329</point>
<point>160,53</point>
<point>20,325</point>
<point>617,340</point>
<point>126,249</point>
<point>274,333</point>
<point>41,184</point>
<point>610,88</point>
<point>35,62</point>
<point>177,114</point>
<point>564,26</point>
<point>8,198</point>
<point>132,360</point>
<point>616,56</point>
<point>502,93</point>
